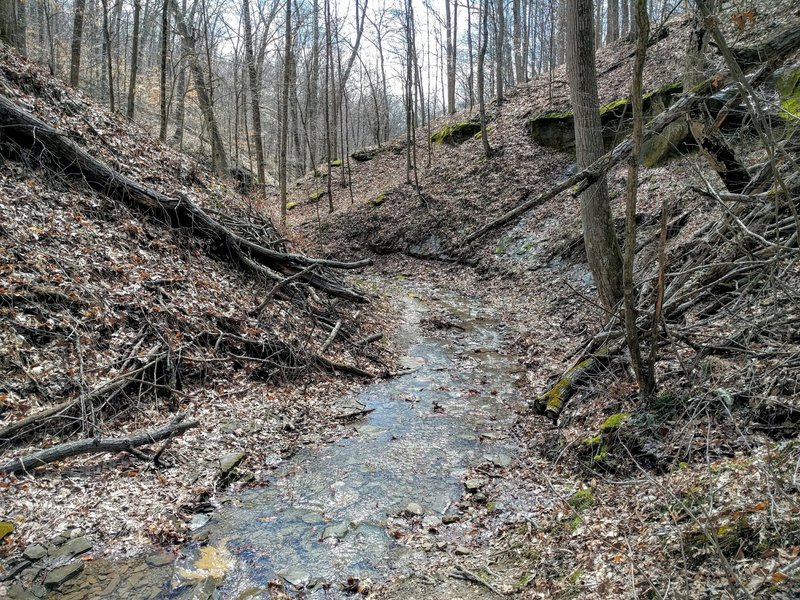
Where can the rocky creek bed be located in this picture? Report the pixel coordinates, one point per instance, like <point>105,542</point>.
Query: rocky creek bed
<point>382,503</point>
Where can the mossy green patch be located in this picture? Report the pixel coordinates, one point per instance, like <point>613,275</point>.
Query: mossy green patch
<point>455,133</point>
<point>379,199</point>
<point>336,162</point>
<point>788,86</point>
<point>6,528</point>
<point>592,441</point>
<point>317,195</point>
<point>614,421</point>
<point>581,499</point>
<point>290,205</point>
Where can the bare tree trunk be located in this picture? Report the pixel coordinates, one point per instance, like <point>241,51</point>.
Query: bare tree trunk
<point>500,49</point>
<point>162,134</point>
<point>625,17</point>
<point>255,94</point>
<point>77,38</point>
<point>287,69</point>
<point>218,154</point>
<point>484,39</point>
<point>644,373</point>
<point>180,95</point>
<point>612,21</point>
<point>602,248</point>
<point>598,23</point>
<point>137,16</point>
<point>450,32</point>
<point>107,55</point>
<point>519,71</point>
<point>471,80</point>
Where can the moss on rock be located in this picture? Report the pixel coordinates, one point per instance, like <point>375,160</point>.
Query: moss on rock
<point>455,133</point>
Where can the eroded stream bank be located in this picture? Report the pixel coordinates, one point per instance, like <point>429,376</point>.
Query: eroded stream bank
<point>380,504</point>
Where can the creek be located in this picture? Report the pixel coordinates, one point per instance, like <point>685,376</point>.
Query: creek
<point>326,513</point>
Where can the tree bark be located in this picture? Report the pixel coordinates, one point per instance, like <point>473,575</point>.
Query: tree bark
<point>218,154</point>
<point>500,50</point>
<point>287,70</point>
<point>450,32</point>
<point>600,239</point>
<point>162,134</point>
<point>137,16</point>
<point>255,95</point>
<point>484,40</point>
<point>77,38</point>
<point>644,374</point>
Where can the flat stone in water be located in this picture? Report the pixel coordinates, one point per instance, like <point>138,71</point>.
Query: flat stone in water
<point>412,508</point>
<point>499,460</point>
<point>296,577</point>
<point>431,521</point>
<point>35,552</point>
<point>198,521</point>
<point>58,576</point>
<point>473,485</point>
<point>229,462</point>
<point>335,531</point>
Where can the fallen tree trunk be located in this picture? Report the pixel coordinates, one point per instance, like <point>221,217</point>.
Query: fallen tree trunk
<point>95,445</point>
<point>552,402</point>
<point>56,150</point>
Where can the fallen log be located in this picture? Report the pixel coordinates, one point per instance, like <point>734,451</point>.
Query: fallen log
<point>55,149</point>
<point>91,446</point>
<point>552,402</point>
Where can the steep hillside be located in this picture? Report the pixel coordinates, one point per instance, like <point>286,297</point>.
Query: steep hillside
<point>122,322</point>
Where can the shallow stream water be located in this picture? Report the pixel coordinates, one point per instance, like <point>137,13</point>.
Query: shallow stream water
<point>324,515</point>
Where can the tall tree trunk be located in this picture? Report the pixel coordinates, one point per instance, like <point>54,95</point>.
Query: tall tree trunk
<point>612,21</point>
<point>137,15</point>
<point>602,248</point>
<point>644,373</point>
<point>484,41</point>
<point>107,58</point>
<point>180,94</point>
<point>450,32</point>
<point>624,18</point>
<point>287,70</point>
<point>501,42</point>
<point>471,80</point>
<point>218,154</point>
<point>77,38</point>
<point>162,134</point>
<point>255,94</point>
<point>695,62</point>
<point>519,70</point>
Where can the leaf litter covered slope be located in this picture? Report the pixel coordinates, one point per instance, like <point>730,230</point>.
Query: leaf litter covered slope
<point>692,495</point>
<point>90,291</point>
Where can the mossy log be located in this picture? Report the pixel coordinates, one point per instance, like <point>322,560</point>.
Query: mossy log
<point>53,148</point>
<point>552,402</point>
